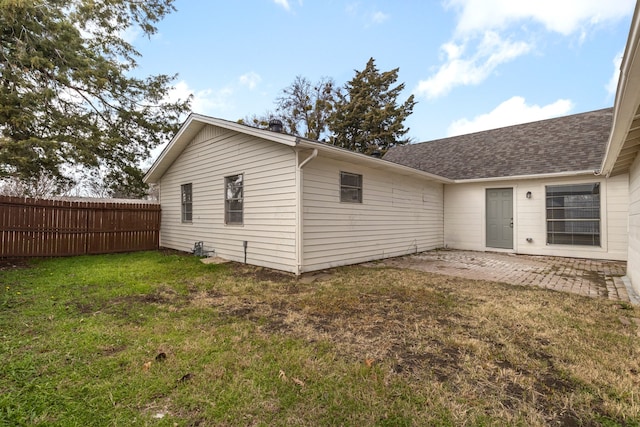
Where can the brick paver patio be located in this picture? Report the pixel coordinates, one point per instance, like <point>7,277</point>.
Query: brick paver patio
<point>594,278</point>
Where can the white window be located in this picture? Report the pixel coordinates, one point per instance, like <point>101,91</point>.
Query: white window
<point>573,214</point>
<point>350,187</point>
<point>187,202</point>
<point>233,199</point>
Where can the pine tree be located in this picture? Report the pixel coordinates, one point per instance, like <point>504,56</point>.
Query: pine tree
<point>367,118</point>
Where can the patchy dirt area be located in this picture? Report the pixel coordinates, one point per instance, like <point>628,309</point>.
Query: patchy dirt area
<point>431,342</point>
<point>475,338</point>
<point>595,278</point>
<point>11,263</point>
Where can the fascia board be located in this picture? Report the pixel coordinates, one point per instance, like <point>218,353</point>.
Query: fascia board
<point>627,97</point>
<point>524,177</point>
<point>374,162</point>
<point>188,130</point>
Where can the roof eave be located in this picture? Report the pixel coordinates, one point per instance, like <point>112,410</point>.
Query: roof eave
<point>370,161</point>
<point>191,126</point>
<point>530,176</point>
<point>627,97</point>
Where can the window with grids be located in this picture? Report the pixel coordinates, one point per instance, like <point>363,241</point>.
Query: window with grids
<point>233,199</point>
<point>187,202</point>
<point>350,187</point>
<point>573,214</point>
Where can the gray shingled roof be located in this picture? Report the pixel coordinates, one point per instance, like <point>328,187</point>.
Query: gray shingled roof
<point>564,144</point>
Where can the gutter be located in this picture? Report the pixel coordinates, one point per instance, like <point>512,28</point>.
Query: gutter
<point>359,157</point>
<point>523,177</point>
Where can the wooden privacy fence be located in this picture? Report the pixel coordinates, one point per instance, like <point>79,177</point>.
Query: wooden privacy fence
<point>38,227</point>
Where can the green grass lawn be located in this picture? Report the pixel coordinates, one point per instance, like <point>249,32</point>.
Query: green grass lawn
<point>161,339</point>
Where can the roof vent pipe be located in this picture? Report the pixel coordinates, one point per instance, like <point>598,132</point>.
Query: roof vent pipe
<point>275,125</point>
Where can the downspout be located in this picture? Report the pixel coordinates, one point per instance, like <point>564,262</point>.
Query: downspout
<point>299,213</point>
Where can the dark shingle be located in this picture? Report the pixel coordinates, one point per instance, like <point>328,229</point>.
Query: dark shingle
<point>571,143</point>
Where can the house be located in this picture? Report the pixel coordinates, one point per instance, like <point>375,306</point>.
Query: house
<point>568,186</point>
<point>531,189</point>
<point>279,201</point>
<point>621,156</point>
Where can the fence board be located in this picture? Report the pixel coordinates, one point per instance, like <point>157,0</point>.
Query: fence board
<point>40,228</point>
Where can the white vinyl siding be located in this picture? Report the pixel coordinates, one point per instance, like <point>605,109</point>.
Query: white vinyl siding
<point>464,210</point>
<point>398,215</point>
<point>633,264</point>
<point>269,199</point>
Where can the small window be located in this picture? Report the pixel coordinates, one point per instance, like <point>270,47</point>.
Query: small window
<point>573,214</point>
<point>187,203</point>
<point>233,199</point>
<point>350,187</point>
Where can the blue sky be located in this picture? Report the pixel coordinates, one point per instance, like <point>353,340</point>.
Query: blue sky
<point>472,64</point>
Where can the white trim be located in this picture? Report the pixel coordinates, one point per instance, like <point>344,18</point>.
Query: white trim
<point>281,138</point>
<point>523,177</point>
<point>373,162</point>
<point>195,122</point>
<point>627,97</point>
<point>224,200</point>
<point>516,221</point>
<point>191,126</point>
<point>604,237</point>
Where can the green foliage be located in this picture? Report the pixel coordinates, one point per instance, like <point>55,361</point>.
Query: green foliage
<point>367,117</point>
<point>305,108</point>
<point>364,116</point>
<point>261,121</point>
<point>126,185</point>
<point>67,96</point>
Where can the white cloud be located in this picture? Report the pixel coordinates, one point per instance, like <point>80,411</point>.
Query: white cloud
<point>205,101</point>
<point>284,3</point>
<point>368,16</point>
<point>379,17</point>
<point>612,85</point>
<point>131,34</point>
<point>561,16</point>
<point>250,79</point>
<point>458,70</point>
<point>478,47</point>
<point>511,112</point>
<point>213,101</point>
